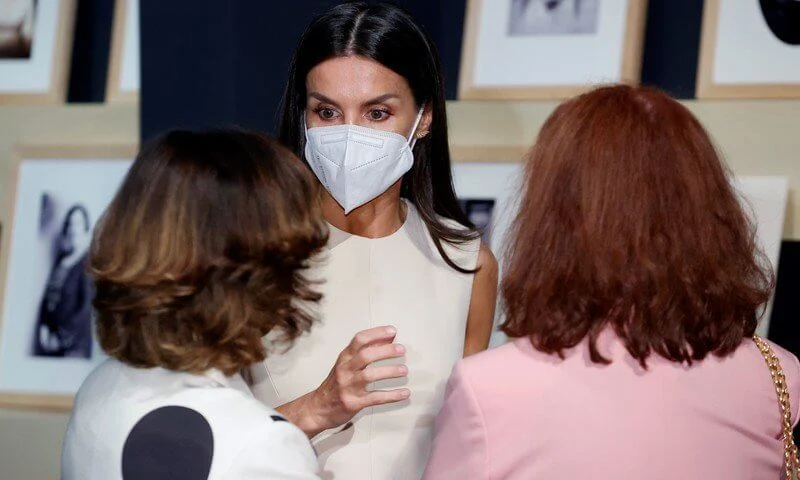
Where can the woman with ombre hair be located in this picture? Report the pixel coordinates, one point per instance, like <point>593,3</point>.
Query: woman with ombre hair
<point>203,250</point>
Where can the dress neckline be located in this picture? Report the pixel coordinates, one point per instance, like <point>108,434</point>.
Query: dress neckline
<point>338,235</point>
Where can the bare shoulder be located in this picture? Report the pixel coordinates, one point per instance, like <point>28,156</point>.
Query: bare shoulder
<point>487,263</point>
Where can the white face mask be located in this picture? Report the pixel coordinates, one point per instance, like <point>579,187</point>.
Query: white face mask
<point>356,164</point>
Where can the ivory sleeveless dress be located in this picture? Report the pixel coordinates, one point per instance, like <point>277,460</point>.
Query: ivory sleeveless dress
<point>400,280</point>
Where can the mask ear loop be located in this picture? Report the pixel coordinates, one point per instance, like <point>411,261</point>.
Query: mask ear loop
<point>414,129</point>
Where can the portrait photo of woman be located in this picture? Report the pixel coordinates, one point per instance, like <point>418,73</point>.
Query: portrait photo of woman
<point>64,324</point>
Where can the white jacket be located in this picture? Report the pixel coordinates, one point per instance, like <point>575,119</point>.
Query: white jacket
<point>155,423</point>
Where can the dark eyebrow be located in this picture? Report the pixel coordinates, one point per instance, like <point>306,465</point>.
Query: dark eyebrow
<point>322,98</point>
<point>376,100</point>
<point>382,98</point>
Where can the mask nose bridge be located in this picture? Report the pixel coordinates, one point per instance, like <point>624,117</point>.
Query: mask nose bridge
<point>358,143</point>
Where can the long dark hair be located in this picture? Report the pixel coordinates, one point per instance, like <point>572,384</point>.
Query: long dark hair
<point>388,35</point>
<point>74,211</point>
<point>77,208</point>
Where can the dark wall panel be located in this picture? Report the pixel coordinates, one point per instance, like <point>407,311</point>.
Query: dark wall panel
<point>672,43</point>
<point>206,63</point>
<point>784,326</point>
<point>91,46</point>
<point>785,321</point>
<point>188,57</point>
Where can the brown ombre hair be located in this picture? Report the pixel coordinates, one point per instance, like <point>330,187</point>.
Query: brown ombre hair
<point>202,252</point>
<point>628,220</point>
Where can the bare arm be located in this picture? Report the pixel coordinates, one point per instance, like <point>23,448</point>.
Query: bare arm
<point>344,392</point>
<point>480,319</point>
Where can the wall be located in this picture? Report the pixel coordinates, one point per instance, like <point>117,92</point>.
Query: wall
<point>30,442</point>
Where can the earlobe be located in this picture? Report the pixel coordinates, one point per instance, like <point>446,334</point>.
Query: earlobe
<point>427,119</point>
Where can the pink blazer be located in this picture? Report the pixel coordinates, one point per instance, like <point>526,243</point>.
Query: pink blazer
<point>516,413</point>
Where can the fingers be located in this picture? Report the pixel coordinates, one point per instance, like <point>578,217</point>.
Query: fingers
<point>374,374</point>
<point>363,338</point>
<point>382,397</point>
<point>374,353</point>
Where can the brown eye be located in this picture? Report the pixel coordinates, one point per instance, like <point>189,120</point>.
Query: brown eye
<point>378,115</point>
<point>326,113</point>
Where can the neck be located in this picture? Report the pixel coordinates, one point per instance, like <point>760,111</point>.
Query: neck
<point>377,218</point>
<point>71,259</point>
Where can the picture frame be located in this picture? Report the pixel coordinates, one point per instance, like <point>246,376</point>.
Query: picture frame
<point>601,45</point>
<point>496,182</point>
<point>47,336</point>
<point>124,80</point>
<point>35,52</point>
<point>746,53</point>
<point>765,199</point>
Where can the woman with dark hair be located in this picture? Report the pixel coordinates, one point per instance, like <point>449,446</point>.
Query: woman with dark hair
<point>633,288</point>
<point>64,328</point>
<point>364,106</point>
<point>203,250</point>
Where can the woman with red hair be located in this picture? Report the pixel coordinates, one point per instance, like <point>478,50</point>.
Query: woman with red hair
<point>633,289</point>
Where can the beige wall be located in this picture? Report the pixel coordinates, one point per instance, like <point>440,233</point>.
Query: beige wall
<point>30,442</point>
<point>758,137</point>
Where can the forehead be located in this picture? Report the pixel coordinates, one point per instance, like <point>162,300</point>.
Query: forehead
<point>355,78</point>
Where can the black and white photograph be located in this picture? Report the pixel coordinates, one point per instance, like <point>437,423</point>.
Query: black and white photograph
<point>551,49</point>
<point>16,28</point>
<point>783,19</point>
<point>64,323</point>
<point>749,50</point>
<point>765,199</point>
<point>35,50</point>
<point>479,212</point>
<point>47,339</point>
<point>488,194</point>
<point>553,17</point>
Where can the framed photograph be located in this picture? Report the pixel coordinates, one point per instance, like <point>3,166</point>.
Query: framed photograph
<point>549,49</point>
<point>488,193</point>
<point>750,49</point>
<point>123,65</point>
<point>47,335</point>
<point>764,199</point>
<point>480,212</point>
<point>35,48</point>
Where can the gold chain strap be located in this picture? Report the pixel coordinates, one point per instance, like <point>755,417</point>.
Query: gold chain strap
<point>790,456</point>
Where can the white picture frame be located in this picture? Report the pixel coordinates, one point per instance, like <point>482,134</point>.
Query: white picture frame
<point>57,196</point>
<point>38,72</point>
<point>523,50</point>
<point>124,77</point>
<point>498,181</point>
<point>742,56</point>
<point>765,199</point>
